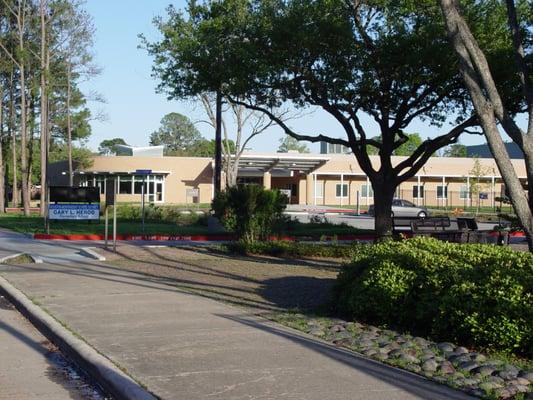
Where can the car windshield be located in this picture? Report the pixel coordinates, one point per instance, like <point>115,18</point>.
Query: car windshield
<point>408,203</point>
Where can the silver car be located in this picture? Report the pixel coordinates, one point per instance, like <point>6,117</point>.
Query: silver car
<point>404,208</point>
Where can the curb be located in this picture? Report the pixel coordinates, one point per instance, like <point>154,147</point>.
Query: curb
<point>36,259</point>
<point>6,258</point>
<point>89,252</point>
<point>99,368</point>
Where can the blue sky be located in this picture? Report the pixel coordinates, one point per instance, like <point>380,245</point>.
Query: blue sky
<point>132,106</point>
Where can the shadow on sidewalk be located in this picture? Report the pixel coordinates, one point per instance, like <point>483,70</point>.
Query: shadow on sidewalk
<point>404,380</point>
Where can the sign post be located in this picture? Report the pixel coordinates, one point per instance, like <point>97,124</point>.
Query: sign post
<point>144,173</point>
<point>115,184</point>
<point>109,201</point>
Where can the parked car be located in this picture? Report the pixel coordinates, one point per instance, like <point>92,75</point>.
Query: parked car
<point>404,208</point>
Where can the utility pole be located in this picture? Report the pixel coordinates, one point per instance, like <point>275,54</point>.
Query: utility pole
<point>218,144</point>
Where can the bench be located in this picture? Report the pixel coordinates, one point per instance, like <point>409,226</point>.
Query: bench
<point>460,230</point>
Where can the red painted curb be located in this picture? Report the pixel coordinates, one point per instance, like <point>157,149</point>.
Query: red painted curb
<point>188,238</point>
<point>217,238</point>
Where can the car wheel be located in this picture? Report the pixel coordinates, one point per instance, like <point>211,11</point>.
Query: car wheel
<point>422,214</point>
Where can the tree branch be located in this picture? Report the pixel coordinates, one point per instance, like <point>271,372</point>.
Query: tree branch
<point>422,154</point>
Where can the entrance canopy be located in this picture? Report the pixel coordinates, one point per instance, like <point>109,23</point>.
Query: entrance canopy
<point>303,163</point>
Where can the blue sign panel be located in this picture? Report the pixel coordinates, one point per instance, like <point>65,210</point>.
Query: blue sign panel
<point>143,171</point>
<point>74,211</point>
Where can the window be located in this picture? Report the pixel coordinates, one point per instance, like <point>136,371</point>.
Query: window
<point>100,182</point>
<point>342,190</point>
<point>125,184</point>
<point>406,203</point>
<point>464,192</point>
<point>418,192</point>
<point>442,192</point>
<point>138,184</point>
<point>367,191</point>
<point>319,189</point>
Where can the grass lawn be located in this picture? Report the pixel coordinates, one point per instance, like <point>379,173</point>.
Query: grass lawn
<point>35,224</point>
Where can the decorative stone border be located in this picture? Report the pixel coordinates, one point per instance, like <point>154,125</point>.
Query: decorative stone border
<point>446,363</point>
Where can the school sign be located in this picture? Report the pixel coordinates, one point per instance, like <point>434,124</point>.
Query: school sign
<point>74,211</point>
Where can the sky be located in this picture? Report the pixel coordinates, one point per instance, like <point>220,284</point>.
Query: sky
<point>133,109</point>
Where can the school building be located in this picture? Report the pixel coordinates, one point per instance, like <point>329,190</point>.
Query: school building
<point>309,179</point>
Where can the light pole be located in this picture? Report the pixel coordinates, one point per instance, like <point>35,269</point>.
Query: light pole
<point>218,144</point>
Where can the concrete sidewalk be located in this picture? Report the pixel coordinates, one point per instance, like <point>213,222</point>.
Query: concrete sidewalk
<point>186,347</point>
<point>55,252</point>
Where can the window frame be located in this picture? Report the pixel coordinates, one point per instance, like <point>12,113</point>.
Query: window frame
<point>444,192</point>
<point>417,192</point>
<point>344,193</point>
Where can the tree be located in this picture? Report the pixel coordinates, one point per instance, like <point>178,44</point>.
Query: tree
<point>455,150</point>
<point>387,59</point>
<point>36,44</point>
<point>177,133</point>
<point>288,143</point>
<point>205,148</point>
<point>477,183</point>
<point>248,124</point>
<point>107,147</point>
<point>489,98</point>
<point>414,141</point>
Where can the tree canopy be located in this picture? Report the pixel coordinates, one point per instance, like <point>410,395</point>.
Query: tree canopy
<point>390,60</point>
<point>288,143</point>
<point>455,150</point>
<point>177,133</point>
<point>107,147</point>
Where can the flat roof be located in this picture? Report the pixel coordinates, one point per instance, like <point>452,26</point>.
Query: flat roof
<point>285,161</point>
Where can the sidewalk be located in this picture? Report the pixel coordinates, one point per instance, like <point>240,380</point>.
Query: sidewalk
<point>186,347</point>
<point>13,243</point>
<point>30,367</point>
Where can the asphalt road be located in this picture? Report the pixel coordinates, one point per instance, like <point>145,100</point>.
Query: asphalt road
<point>31,367</point>
<point>363,221</point>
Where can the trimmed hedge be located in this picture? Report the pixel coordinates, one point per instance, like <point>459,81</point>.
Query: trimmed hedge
<point>291,249</point>
<point>477,295</point>
<point>170,214</point>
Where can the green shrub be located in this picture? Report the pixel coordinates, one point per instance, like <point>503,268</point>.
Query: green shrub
<point>474,294</point>
<point>291,249</point>
<point>170,214</point>
<point>250,211</point>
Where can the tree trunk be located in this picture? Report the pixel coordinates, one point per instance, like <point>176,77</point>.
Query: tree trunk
<point>24,144</point>
<point>488,105</point>
<point>15,191</point>
<point>44,110</point>
<point>2,183</point>
<point>218,144</point>
<point>383,196</point>
<point>69,128</point>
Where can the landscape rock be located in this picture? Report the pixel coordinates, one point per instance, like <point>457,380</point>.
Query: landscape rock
<point>446,347</point>
<point>526,375</point>
<point>409,358</point>
<point>436,361</point>
<point>430,365</point>
<point>446,368</point>
<point>468,365</point>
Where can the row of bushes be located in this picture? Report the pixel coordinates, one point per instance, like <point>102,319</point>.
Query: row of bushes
<point>170,214</point>
<point>291,249</point>
<point>474,294</point>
